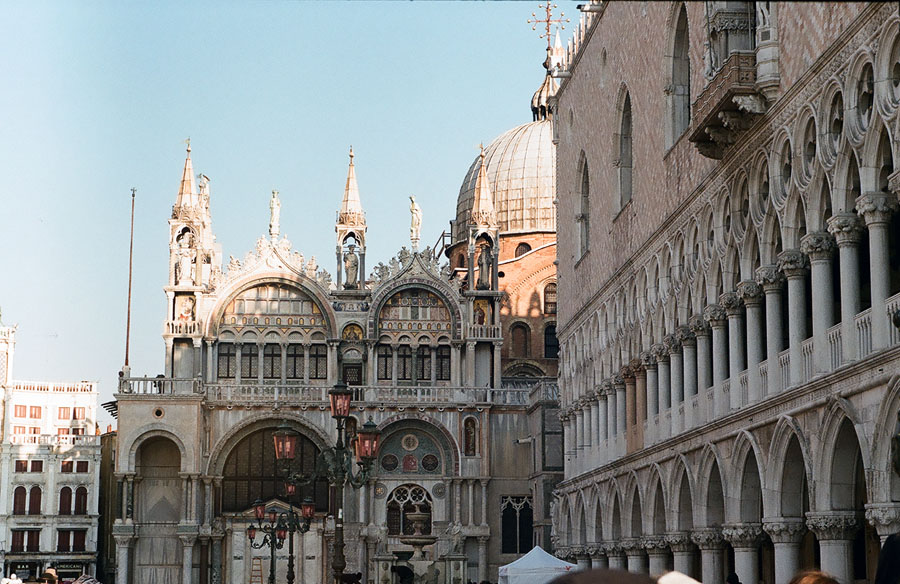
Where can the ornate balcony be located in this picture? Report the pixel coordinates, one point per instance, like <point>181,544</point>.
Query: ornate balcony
<point>183,327</point>
<point>727,106</point>
<point>486,332</point>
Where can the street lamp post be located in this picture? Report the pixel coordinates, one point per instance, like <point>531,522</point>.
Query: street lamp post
<point>334,464</point>
<point>280,526</point>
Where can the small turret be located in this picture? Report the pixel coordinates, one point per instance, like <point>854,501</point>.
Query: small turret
<point>350,228</point>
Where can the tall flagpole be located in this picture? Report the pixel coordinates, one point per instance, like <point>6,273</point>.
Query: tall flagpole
<point>130,264</point>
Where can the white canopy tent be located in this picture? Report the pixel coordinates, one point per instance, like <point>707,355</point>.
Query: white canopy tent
<point>535,567</point>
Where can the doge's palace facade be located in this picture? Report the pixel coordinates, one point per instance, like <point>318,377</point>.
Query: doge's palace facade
<point>729,264</point>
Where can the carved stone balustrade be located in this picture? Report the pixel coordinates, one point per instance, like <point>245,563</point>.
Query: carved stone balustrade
<point>727,106</point>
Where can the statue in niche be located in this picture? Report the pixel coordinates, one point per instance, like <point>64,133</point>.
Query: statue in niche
<point>275,216</point>
<point>479,315</point>
<point>351,268</point>
<point>456,538</point>
<point>184,275</point>
<point>415,226</point>
<point>187,309</point>
<point>484,269</point>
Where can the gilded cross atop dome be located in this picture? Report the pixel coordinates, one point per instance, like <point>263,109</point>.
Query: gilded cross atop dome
<point>548,21</point>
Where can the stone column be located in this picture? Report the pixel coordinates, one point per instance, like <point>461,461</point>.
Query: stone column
<point>710,542</point>
<point>657,553</point>
<point>847,231</point>
<point>471,485</point>
<point>794,264</point>
<point>715,316</point>
<point>216,562</point>
<point>689,371</point>
<point>682,552</point>
<point>786,534</point>
<point>835,530</point>
<point>619,385</point>
<point>598,560</point>
<point>597,433</point>
<point>583,559</point>
<point>704,352</point>
<point>676,371</point>
<point>123,567</point>
<point>603,421</point>
<point>484,501</point>
<point>187,558</point>
<point>482,558</point>
<point>732,304</point>
<point>770,279</point>
<point>238,354</point>
<point>751,293</point>
<point>640,390</point>
<point>637,561</point>
<point>579,426</point>
<point>630,397</point>
<point>648,361</point>
<point>663,372</point>
<point>876,208</point>
<point>818,246</point>
<point>470,364</point>
<point>610,412</point>
<point>745,539</point>
<point>615,555</point>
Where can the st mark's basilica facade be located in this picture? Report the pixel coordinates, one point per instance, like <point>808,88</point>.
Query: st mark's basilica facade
<point>451,352</point>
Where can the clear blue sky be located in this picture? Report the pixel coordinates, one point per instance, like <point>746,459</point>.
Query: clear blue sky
<point>98,96</point>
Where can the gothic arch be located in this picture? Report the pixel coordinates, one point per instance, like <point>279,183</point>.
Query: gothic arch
<point>787,429</point>
<point>884,480</point>
<point>747,480</point>
<point>711,462</point>
<point>836,412</point>
<point>678,66</point>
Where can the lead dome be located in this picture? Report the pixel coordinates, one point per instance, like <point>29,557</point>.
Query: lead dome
<point>521,171</point>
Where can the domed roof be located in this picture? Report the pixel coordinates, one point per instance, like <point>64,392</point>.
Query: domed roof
<point>521,172</point>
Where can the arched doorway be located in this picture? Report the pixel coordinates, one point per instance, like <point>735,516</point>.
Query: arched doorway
<point>158,509</point>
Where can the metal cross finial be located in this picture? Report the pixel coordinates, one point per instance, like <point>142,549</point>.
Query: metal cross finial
<point>548,22</point>
<point>188,142</point>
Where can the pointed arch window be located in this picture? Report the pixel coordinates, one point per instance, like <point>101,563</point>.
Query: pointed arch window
<point>679,91</point>
<point>584,213</point>
<point>408,499</point>
<point>625,153</point>
<point>517,525</point>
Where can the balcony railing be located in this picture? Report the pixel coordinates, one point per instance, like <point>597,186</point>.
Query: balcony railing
<point>483,331</point>
<point>835,346</point>
<point>55,440</point>
<point>728,105</point>
<point>159,386</point>
<point>183,327</point>
<point>864,332</point>
<point>49,387</point>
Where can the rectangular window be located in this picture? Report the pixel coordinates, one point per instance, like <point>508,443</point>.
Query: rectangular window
<point>385,358</point>
<point>443,363</point>
<point>63,413</point>
<point>249,362</point>
<point>404,363</point>
<point>18,429</point>
<point>21,466</point>
<point>318,362</point>
<point>78,431</point>
<point>66,466</point>
<point>78,538</point>
<point>63,431</point>
<point>35,412</point>
<point>516,525</point>
<point>227,361</point>
<point>81,466</point>
<point>33,430</point>
<point>33,543</point>
<point>79,414</point>
<point>37,466</point>
<point>62,540</point>
<point>423,364</point>
<point>295,362</point>
<point>21,411</point>
<point>272,361</point>
<point>18,540</point>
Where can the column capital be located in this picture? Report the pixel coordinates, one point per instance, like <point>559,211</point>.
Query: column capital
<point>672,344</point>
<point>876,207</point>
<point>679,541</point>
<point>743,535</point>
<point>594,550</point>
<point>611,548</point>
<point>637,366</point>
<point>187,541</point>
<point>769,277</point>
<point>750,292</point>
<point>731,302</point>
<point>818,245</point>
<point>626,373</point>
<point>685,335</point>
<point>654,544</point>
<point>648,360</point>
<point>618,382</point>
<point>846,229</point>
<point>884,517</point>
<point>833,525</point>
<point>606,386</point>
<point>698,325</point>
<point>793,263</point>
<point>714,315</point>
<point>785,529</point>
<point>894,182</point>
<point>660,352</point>
<point>632,546</point>
<point>708,538</point>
